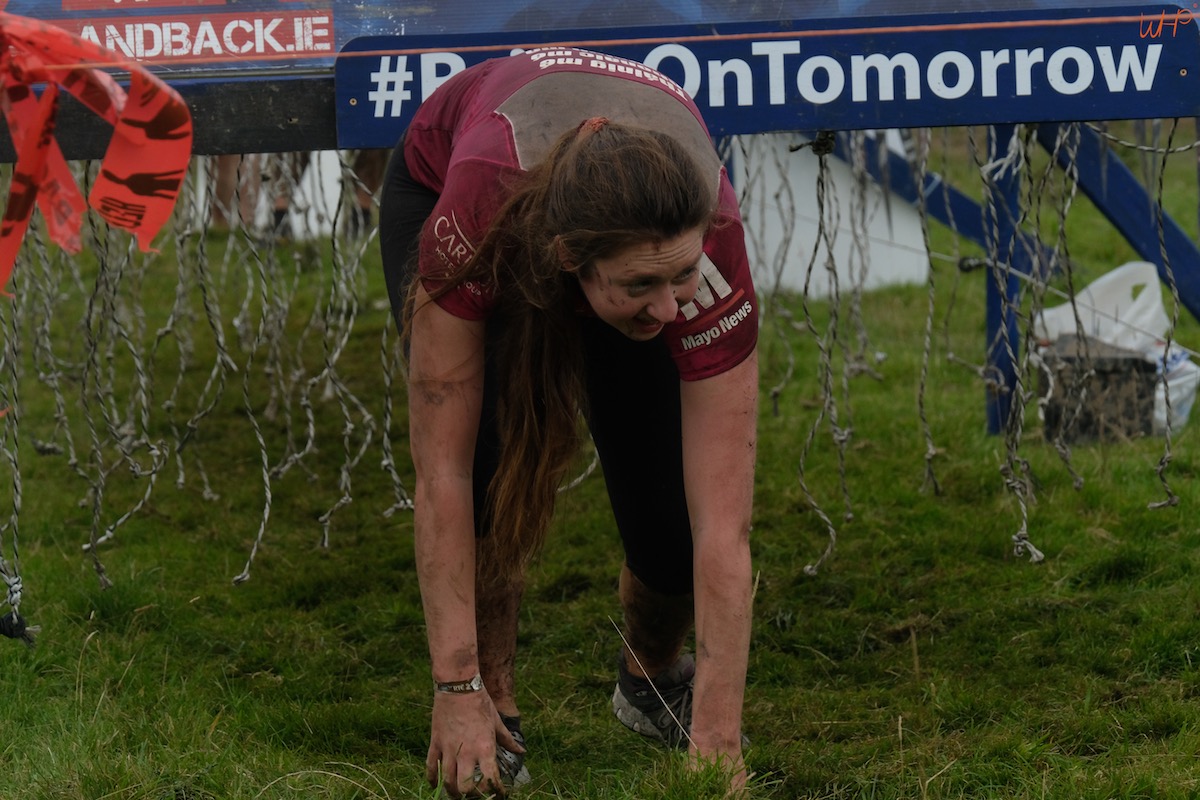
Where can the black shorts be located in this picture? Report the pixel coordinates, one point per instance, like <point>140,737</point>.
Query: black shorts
<point>633,400</point>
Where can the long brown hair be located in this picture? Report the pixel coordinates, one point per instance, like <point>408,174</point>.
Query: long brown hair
<point>602,187</point>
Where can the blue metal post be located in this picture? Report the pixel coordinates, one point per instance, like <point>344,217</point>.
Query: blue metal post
<point>1003,287</point>
<point>1132,210</point>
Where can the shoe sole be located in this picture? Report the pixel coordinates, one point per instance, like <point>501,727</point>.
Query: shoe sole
<point>505,759</point>
<point>634,719</point>
<point>637,721</point>
<point>519,780</point>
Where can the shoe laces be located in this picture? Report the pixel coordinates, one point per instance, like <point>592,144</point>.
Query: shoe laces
<point>666,699</point>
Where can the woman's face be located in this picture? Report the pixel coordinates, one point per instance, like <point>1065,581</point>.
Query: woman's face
<point>640,289</point>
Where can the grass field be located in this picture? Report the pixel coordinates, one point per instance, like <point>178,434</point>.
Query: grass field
<point>923,660</point>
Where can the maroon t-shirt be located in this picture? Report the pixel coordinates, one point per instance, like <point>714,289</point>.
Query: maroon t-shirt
<point>492,121</point>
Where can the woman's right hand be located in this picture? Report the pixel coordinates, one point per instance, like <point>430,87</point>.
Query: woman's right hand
<point>462,745</point>
<point>445,375</point>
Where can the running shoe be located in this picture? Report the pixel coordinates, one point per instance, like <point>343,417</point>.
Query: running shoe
<point>513,771</point>
<point>661,708</point>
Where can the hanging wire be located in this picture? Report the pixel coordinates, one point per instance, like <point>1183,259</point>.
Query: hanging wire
<point>1165,460</point>
<point>12,625</point>
<point>827,225</point>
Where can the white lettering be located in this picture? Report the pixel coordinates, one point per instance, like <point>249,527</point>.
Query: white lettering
<point>744,81</point>
<point>991,61</point>
<point>538,55</point>
<point>1025,61</point>
<point>937,75</point>
<point>724,325</point>
<point>775,51</point>
<point>712,286</point>
<point>686,59</point>
<point>1115,75</point>
<point>175,39</point>
<point>730,322</point>
<point>312,33</point>
<point>820,78</point>
<point>885,68</point>
<point>835,79</point>
<point>437,68</point>
<point>155,47</point>
<point>264,36</point>
<point>451,241</point>
<point>1085,70</point>
<point>206,37</point>
<point>875,77</point>
<point>623,66</point>
<point>247,44</point>
<point>114,41</point>
<point>564,62</point>
<point>223,35</point>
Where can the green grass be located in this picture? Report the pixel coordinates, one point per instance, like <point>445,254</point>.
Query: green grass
<point>923,660</point>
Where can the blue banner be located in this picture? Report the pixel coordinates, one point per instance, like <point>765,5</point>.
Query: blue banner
<point>199,38</point>
<point>1038,65</point>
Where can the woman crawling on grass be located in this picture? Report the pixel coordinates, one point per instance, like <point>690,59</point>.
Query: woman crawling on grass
<point>579,249</point>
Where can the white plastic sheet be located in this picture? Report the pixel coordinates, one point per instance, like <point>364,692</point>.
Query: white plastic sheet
<point>1124,308</point>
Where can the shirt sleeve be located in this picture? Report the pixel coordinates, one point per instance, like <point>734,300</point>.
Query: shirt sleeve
<point>459,221</point>
<point>719,328</point>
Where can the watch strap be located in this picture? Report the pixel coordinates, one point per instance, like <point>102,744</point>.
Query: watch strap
<point>471,686</point>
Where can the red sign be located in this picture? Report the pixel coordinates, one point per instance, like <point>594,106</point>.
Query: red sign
<point>134,5</point>
<point>243,36</point>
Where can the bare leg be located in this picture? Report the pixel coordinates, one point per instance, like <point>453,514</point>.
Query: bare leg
<point>284,184</point>
<point>369,166</point>
<point>225,185</point>
<point>496,612</point>
<point>656,625</point>
<point>236,175</point>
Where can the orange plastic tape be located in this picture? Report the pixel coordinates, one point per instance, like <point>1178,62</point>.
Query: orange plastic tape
<point>147,157</point>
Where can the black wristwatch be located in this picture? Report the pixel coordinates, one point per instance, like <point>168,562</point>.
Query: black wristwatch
<point>460,687</point>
